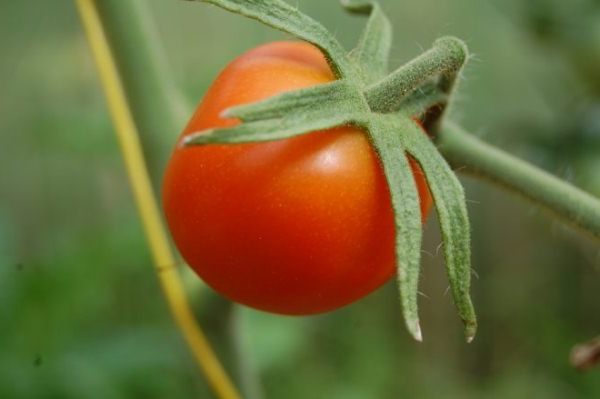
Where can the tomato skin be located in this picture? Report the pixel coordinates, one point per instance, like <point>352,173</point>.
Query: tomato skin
<point>297,226</point>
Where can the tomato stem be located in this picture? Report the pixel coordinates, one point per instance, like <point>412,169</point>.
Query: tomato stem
<point>569,203</point>
<point>445,58</point>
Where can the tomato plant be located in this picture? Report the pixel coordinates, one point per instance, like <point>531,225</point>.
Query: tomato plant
<point>295,226</point>
<point>310,201</point>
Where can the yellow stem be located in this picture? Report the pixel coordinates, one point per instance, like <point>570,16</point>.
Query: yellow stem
<point>164,261</point>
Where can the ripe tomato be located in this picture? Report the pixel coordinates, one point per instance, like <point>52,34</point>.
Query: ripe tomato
<point>297,226</point>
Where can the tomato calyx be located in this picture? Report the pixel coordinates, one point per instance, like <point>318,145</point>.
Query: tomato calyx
<point>384,106</point>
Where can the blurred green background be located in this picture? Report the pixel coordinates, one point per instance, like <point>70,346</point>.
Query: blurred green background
<point>81,313</point>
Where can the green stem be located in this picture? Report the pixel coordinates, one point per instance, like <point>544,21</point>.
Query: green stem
<point>569,203</point>
<point>158,108</point>
<point>444,59</point>
<point>247,370</point>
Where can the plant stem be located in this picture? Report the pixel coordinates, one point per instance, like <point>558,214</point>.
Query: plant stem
<point>164,260</point>
<point>471,155</point>
<point>247,371</point>
<point>445,58</point>
<point>158,108</point>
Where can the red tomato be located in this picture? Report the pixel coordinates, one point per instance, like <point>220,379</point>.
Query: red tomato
<point>297,226</point>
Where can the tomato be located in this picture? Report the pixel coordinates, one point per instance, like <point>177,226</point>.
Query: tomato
<point>297,226</point>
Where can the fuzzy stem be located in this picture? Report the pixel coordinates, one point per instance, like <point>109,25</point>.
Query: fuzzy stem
<point>472,155</point>
<point>445,58</point>
<point>163,258</point>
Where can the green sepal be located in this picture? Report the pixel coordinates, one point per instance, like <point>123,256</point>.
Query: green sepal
<point>449,198</point>
<point>289,114</point>
<point>373,50</point>
<point>334,97</point>
<point>386,138</point>
<point>280,15</point>
<point>267,130</point>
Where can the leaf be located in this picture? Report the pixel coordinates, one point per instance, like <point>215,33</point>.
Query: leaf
<point>280,15</point>
<point>407,216</point>
<point>449,198</point>
<point>373,49</point>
